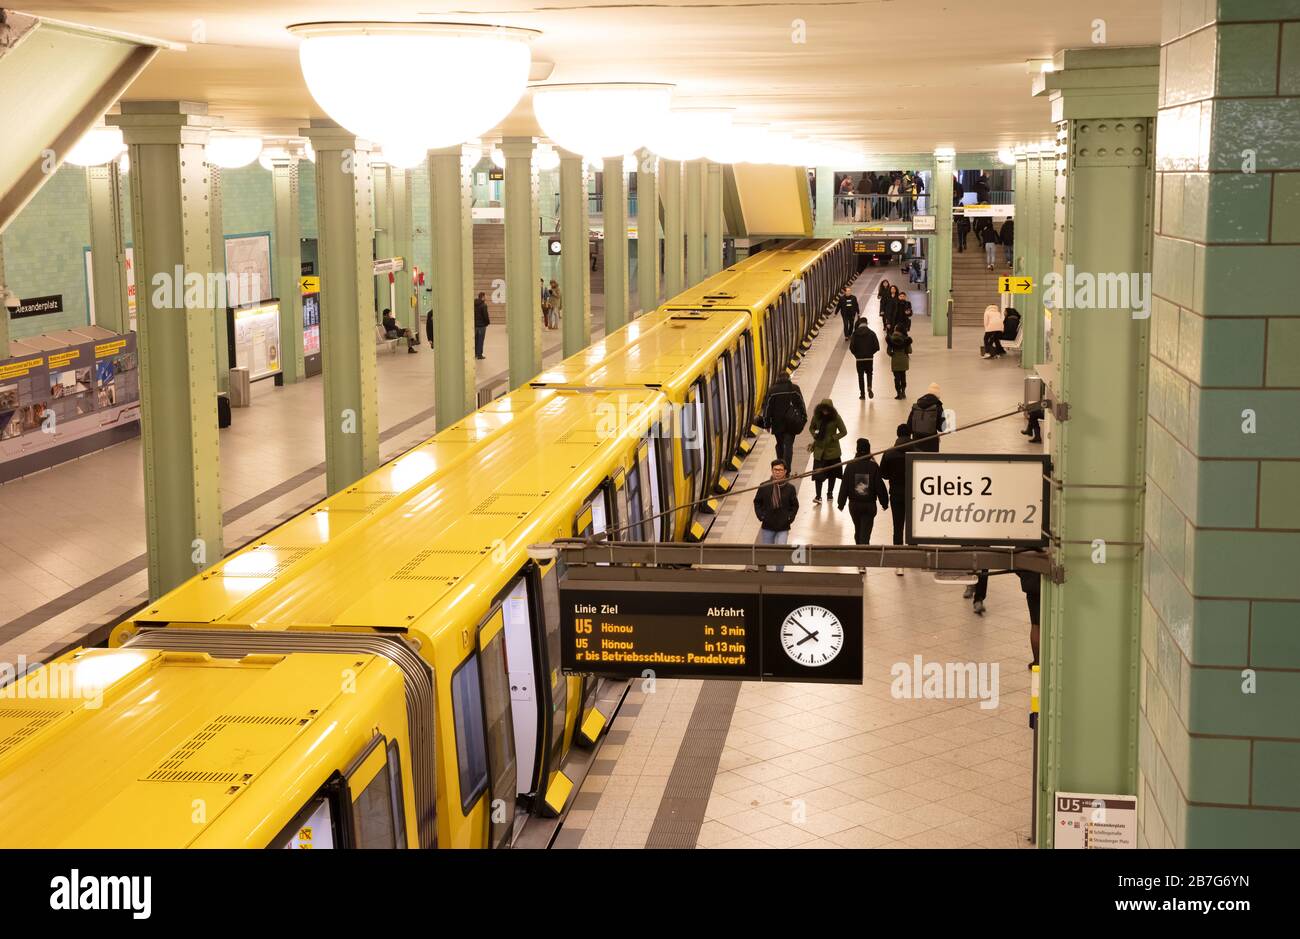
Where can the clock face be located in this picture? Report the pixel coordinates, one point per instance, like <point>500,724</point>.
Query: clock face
<point>812,635</point>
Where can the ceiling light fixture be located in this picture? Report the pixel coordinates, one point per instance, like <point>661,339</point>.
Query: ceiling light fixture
<point>352,69</point>
<point>231,151</point>
<point>97,146</point>
<point>601,120</point>
<point>689,133</point>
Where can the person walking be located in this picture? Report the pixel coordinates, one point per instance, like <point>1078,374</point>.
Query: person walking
<point>864,345</point>
<point>862,489</point>
<point>785,414</point>
<point>826,427</point>
<point>557,304</point>
<point>1033,430</point>
<point>903,312</point>
<point>899,345</point>
<point>989,239</point>
<point>846,196</point>
<point>846,304</point>
<point>776,504</point>
<point>982,190</point>
<point>993,326</point>
<point>481,321</point>
<point>428,326</point>
<point>1032,585</point>
<point>926,420</point>
<point>1008,238</point>
<point>866,187</point>
<point>893,466</point>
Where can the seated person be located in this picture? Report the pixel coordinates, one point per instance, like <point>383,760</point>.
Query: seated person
<point>393,331</point>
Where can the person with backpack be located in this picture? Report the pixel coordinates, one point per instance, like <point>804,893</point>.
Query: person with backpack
<point>826,427</point>
<point>893,466</point>
<point>776,503</point>
<point>785,415</point>
<point>864,345</point>
<point>989,239</point>
<point>847,306</point>
<point>926,420</point>
<point>863,487</point>
<point>899,345</point>
<point>963,229</point>
<point>993,326</point>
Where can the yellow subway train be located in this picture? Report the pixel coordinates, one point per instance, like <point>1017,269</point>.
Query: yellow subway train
<point>383,669</point>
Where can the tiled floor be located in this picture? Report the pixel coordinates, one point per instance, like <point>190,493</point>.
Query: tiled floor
<point>72,536</point>
<point>825,766</point>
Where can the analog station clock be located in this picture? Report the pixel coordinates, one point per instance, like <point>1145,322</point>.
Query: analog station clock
<point>812,635</point>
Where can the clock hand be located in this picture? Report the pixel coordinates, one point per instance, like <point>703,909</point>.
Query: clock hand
<point>811,635</point>
<point>802,626</point>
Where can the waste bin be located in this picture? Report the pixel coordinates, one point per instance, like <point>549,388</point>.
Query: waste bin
<point>240,388</point>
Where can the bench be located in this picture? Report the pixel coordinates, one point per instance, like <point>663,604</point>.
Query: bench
<point>382,341</point>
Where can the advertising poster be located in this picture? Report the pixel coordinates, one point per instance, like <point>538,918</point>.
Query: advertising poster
<point>130,286</point>
<point>248,269</point>
<point>257,339</point>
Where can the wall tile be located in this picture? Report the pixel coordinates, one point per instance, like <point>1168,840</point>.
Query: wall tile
<point>1268,126</point>
<point>1239,207</point>
<point>1220,707</point>
<point>1286,204</point>
<point>1276,779</point>
<point>44,249</point>
<point>1252,281</point>
<point>1233,353</point>
<point>1219,771</point>
<point>1221,632</point>
<point>1173,202</point>
<point>1246,564</point>
<point>1247,59</point>
<point>1289,67</point>
<point>1220,422</point>
<point>1283,367</point>
<point>1230,10</point>
<point>1279,494</point>
<point>1211,827</point>
<point>1190,68</point>
<point>1275,635</point>
<point>1225,493</point>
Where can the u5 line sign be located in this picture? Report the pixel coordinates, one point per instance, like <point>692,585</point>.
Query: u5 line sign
<point>978,499</point>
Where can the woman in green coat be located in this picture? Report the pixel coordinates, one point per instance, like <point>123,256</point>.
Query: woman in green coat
<point>826,427</point>
<point>899,345</point>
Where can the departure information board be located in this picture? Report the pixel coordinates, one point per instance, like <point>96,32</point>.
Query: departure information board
<point>697,629</point>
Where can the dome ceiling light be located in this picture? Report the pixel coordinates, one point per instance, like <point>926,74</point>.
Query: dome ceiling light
<point>470,77</point>
<point>231,151</point>
<point>601,120</point>
<point>689,133</point>
<point>97,146</point>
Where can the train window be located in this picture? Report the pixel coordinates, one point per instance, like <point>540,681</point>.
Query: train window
<point>377,809</point>
<point>500,736</point>
<point>686,422</point>
<point>635,506</point>
<point>619,530</point>
<point>668,483</point>
<point>648,457</point>
<point>714,438</point>
<point>316,825</point>
<point>695,440</point>
<point>471,747</point>
<point>747,366</point>
<point>726,395</point>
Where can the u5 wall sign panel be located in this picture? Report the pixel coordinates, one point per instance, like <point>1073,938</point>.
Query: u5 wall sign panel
<point>978,499</point>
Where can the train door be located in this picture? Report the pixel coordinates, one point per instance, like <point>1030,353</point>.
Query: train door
<point>522,658</point>
<point>647,469</point>
<point>695,442</point>
<point>593,518</point>
<point>498,727</point>
<point>619,530</point>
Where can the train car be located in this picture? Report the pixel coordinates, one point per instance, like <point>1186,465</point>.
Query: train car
<point>406,628</point>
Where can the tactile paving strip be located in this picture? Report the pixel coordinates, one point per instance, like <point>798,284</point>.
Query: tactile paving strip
<point>681,811</point>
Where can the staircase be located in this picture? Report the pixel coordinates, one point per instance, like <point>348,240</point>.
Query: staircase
<point>974,286</point>
<point>490,265</point>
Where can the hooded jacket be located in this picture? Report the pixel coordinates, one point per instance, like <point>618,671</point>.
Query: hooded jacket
<point>826,433</point>
<point>993,319</point>
<point>893,466</point>
<point>864,343</point>
<point>900,350</point>
<point>923,403</point>
<point>864,485</point>
<point>784,407</point>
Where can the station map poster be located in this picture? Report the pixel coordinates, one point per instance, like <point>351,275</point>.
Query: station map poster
<point>248,259</point>
<point>705,628</point>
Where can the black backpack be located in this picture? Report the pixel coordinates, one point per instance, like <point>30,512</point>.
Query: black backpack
<point>796,417</point>
<point>924,421</point>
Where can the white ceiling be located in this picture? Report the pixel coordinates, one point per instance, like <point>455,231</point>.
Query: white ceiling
<point>884,75</point>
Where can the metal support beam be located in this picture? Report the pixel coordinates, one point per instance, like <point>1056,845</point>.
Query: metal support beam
<point>575,237</point>
<point>1046,231</point>
<point>1097,362</point>
<point>288,266</point>
<point>107,247</point>
<point>1025,256</point>
<point>171,230</point>
<point>220,327</point>
<point>615,214</point>
<point>405,308</point>
<point>523,290</point>
<point>4,312</point>
<point>670,184</point>
<point>380,179</point>
<point>694,222</point>
<point>344,210</point>
<point>453,284</point>
<point>647,231</point>
<point>712,219</point>
<point>940,269</point>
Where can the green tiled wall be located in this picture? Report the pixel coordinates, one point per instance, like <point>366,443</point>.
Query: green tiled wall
<point>1220,741</point>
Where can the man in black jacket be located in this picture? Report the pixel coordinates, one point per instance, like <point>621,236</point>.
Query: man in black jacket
<point>863,487</point>
<point>847,305</point>
<point>428,327</point>
<point>776,505</point>
<point>394,330</point>
<point>785,414</point>
<point>864,344</point>
<point>893,466</point>
<point>481,321</point>
<point>1008,238</point>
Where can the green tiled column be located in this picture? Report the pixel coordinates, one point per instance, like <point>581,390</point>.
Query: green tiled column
<point>1046,229</point>
<point>1103,101</point>
<point>288,265</point>
<point>1025,254</point>
<point>453,284</point>
<point>1219,726</point>
<point>575,282</point>
<point>107,247</point>
<point>171,229</point>
<point>670,185</point>
<point>344,221</point>
<point>694,211</point>
<point>615,220</point>
<point>523,291</point>
<point>939,273</point>
<point>647,231</point>
<point>712,219</point>
<point>381,181</point>
<point>220,325</point>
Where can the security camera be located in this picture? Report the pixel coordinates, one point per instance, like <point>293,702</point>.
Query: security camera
<point>12,302</point>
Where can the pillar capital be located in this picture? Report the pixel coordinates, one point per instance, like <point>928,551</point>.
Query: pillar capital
<point>164,122</point>
<point>1118,81</point>
<point>518,147</point>
<point>326,135</point>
